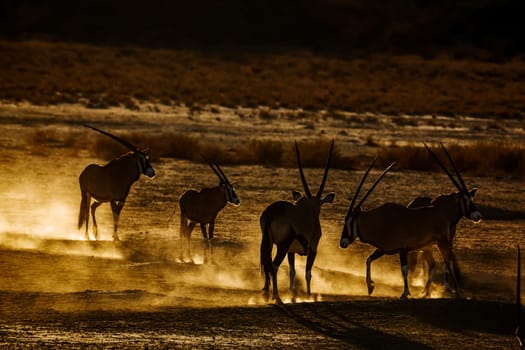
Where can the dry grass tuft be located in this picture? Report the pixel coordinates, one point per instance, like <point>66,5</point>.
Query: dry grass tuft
<point>265,152</point>
<point>484,158</point>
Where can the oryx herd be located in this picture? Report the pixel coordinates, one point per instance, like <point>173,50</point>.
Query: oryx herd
<point>294,227</point>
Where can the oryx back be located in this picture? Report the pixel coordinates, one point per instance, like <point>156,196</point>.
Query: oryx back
<point>112,181</point>
<point>297,221</point>
<point>392,227</point>
<point>202,207</point>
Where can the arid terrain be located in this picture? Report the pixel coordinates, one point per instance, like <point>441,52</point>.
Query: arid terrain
<point>59,290</point>
<point>238,82</point>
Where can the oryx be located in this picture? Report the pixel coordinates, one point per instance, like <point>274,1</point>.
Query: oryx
<point>203,207</point>
<point>394,228</point>
<point>293,228</point>
<point>111,183</point>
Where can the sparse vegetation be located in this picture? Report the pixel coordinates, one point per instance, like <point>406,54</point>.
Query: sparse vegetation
<point>102,76</point>
<point>484,158</point>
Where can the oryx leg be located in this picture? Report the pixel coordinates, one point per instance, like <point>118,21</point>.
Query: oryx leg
<point>189,230</point>
<point>310,258</point>
<point>375,255</point>
<point>85,208</point>
<point>291,263</point>
<point>413,259</point>
<point>183,230</point>
<point>446,275</point>
<point>282,250</point>
<point>403,259</point>
<point>431,263</point>
<point>267,273</point>
<point>204,232</point>
<point>211,229</point>
<point>94,207</point>
<point>207,240</point>
<point>450,261</point>
<point>266,288</point>
<point>116,208</point>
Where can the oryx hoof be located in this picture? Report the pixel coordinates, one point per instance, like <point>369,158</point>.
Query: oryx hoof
<point>370,287</point>
<point>448,288</point>
<point>404,296</point>
<point>424,294</point>
<point>266,295</point>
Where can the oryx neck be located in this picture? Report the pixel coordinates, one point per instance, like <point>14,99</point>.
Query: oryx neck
<point>357,229</point>
<point>452,205</point>
<point>311,203</point>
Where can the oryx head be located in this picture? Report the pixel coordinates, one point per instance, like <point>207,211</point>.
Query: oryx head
<point>141,156</point>
<point>465,196</point>
<point>225,183</point>
<point>350,229</point>
<point>308,199</point>
<point>143,162</point>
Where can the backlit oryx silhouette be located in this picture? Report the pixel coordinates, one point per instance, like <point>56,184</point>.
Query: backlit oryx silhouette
<point>111,183</point>
<point>395,229</point>
<point>293,228</point>
<point>202,208</point>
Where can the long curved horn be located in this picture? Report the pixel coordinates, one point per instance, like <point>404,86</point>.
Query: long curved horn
<point>460,178</point>
<point>375,183</point>
<point>321,188</point>
<point>222,173</point>
<point>116,138</point>
<point>361,185</point>
<point>213,168</point>
<point>444,168</point>
<point>303,179</point>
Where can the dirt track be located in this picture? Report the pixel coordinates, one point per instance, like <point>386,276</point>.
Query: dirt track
<point>57,289</point>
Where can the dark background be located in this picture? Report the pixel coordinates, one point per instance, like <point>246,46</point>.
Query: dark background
<point>399,26</point>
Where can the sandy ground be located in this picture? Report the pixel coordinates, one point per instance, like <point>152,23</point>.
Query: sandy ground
<point>57,289</point>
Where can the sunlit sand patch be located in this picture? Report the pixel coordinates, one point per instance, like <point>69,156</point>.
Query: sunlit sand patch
<point>93,251</point>
<point>436,293</point>
<point>25,241</point>
<point>15,241</point>
<point>419,280</point>
<point>256,300</point>
<point>287,300</point>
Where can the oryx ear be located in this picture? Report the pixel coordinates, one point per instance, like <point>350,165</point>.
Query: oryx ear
<point>472,192</point>
<point>329,198</point>
<point>296,195</point>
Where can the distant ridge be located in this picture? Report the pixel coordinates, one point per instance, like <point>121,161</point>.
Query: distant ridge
<point>331,25</point>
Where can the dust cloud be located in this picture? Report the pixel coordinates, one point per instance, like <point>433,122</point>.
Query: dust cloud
<point>43,251</point>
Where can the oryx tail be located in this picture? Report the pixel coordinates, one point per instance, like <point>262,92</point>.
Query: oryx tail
<point>83,215</point>
<point>266,246</point>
